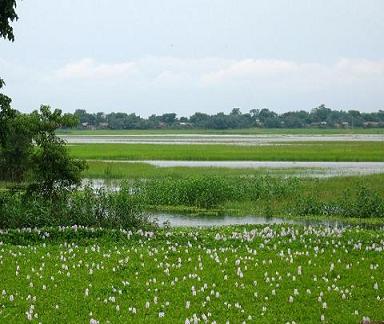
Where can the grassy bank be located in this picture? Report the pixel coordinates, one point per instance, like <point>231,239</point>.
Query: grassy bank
<point>243,131</point>
<point>262,274</point>
<point>322,151</point>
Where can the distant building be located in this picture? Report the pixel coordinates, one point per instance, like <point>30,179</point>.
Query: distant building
<point>373,124</point>
<point>103,125</point>
<point>345,124</point>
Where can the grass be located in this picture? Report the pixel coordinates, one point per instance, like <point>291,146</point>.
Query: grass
<point>323,151</point>
<point>245,191</point>
<point>261,274</point>
<point>123,170</point>
<point>243,131</point>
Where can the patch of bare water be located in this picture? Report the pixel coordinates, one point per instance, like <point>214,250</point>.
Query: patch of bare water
<point>178,220</point>
<point>313,169</point>
<point>218,139</point>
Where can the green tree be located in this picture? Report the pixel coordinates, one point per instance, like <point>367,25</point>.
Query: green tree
<point>52,167</point>
<point>31,152</point>
<point>29,149</point>
<point>7,15</point>
<point>15,142</point>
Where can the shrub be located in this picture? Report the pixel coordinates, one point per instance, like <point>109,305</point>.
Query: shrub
<point>361,203</point>
<point>87,207</point>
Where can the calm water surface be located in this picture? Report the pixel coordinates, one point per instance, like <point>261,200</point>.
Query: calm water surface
<point>177,220</point>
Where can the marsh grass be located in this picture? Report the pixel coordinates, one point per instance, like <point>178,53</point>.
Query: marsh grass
<point>321,151</point>
<point>137,170</point>
<point>213,191</point>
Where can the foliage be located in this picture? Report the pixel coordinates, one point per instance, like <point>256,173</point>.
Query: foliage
<point>16,142</point>
<point>319,117</point>
<point>7,15</point>
<point>31,152</point>
<point>204,192</point>
<point>213,191</point>
<point>360,203</point>
<point>85,207</point>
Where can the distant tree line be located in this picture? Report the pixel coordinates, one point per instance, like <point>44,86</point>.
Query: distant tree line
<point>320,117</point>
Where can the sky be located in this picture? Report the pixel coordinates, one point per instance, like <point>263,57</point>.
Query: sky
<point>183,56</point>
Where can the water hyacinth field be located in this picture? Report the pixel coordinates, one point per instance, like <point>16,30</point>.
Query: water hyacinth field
<point>251,274</point>
<point>95,254</point>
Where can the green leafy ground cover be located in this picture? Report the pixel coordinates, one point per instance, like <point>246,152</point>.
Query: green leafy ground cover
<point>319,151</point>
<point>262,274</point>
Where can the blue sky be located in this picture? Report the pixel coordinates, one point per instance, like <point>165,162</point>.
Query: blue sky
<point>204,55</point>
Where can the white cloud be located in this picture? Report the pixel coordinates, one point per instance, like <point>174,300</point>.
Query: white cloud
<point>361,68</point>
<point>153,83</point>
<point>90,69</point>
<point>176,72</point>
<point>251,68</point>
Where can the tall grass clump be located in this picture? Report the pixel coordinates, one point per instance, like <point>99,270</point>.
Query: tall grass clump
<point>202,192</point>
<point>361,203</point>
<point>213,191</point>
<point>87,207</point>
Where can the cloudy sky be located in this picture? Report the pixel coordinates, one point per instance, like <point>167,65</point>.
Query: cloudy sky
<point>152,57</point>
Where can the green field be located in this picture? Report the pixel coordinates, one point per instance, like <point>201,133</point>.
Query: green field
<point>136,170</point>
<point>317,151</point>
<point>243,131</point>
<point>258,274</point>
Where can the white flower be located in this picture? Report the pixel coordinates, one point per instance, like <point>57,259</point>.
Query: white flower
<point>161,314</point>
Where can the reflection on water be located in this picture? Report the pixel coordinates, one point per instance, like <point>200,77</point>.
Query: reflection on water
<point>177,220</point>
<point>96,184</point>
<point>219,139</point>
<point>201,220</point>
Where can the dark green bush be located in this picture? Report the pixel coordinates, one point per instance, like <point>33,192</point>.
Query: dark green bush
<point>86,207</point>
<point>361,203</point>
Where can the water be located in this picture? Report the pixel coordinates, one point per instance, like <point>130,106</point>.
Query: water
<point>323,168</point>
<point>218,139</point>
<point>177,220</point>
